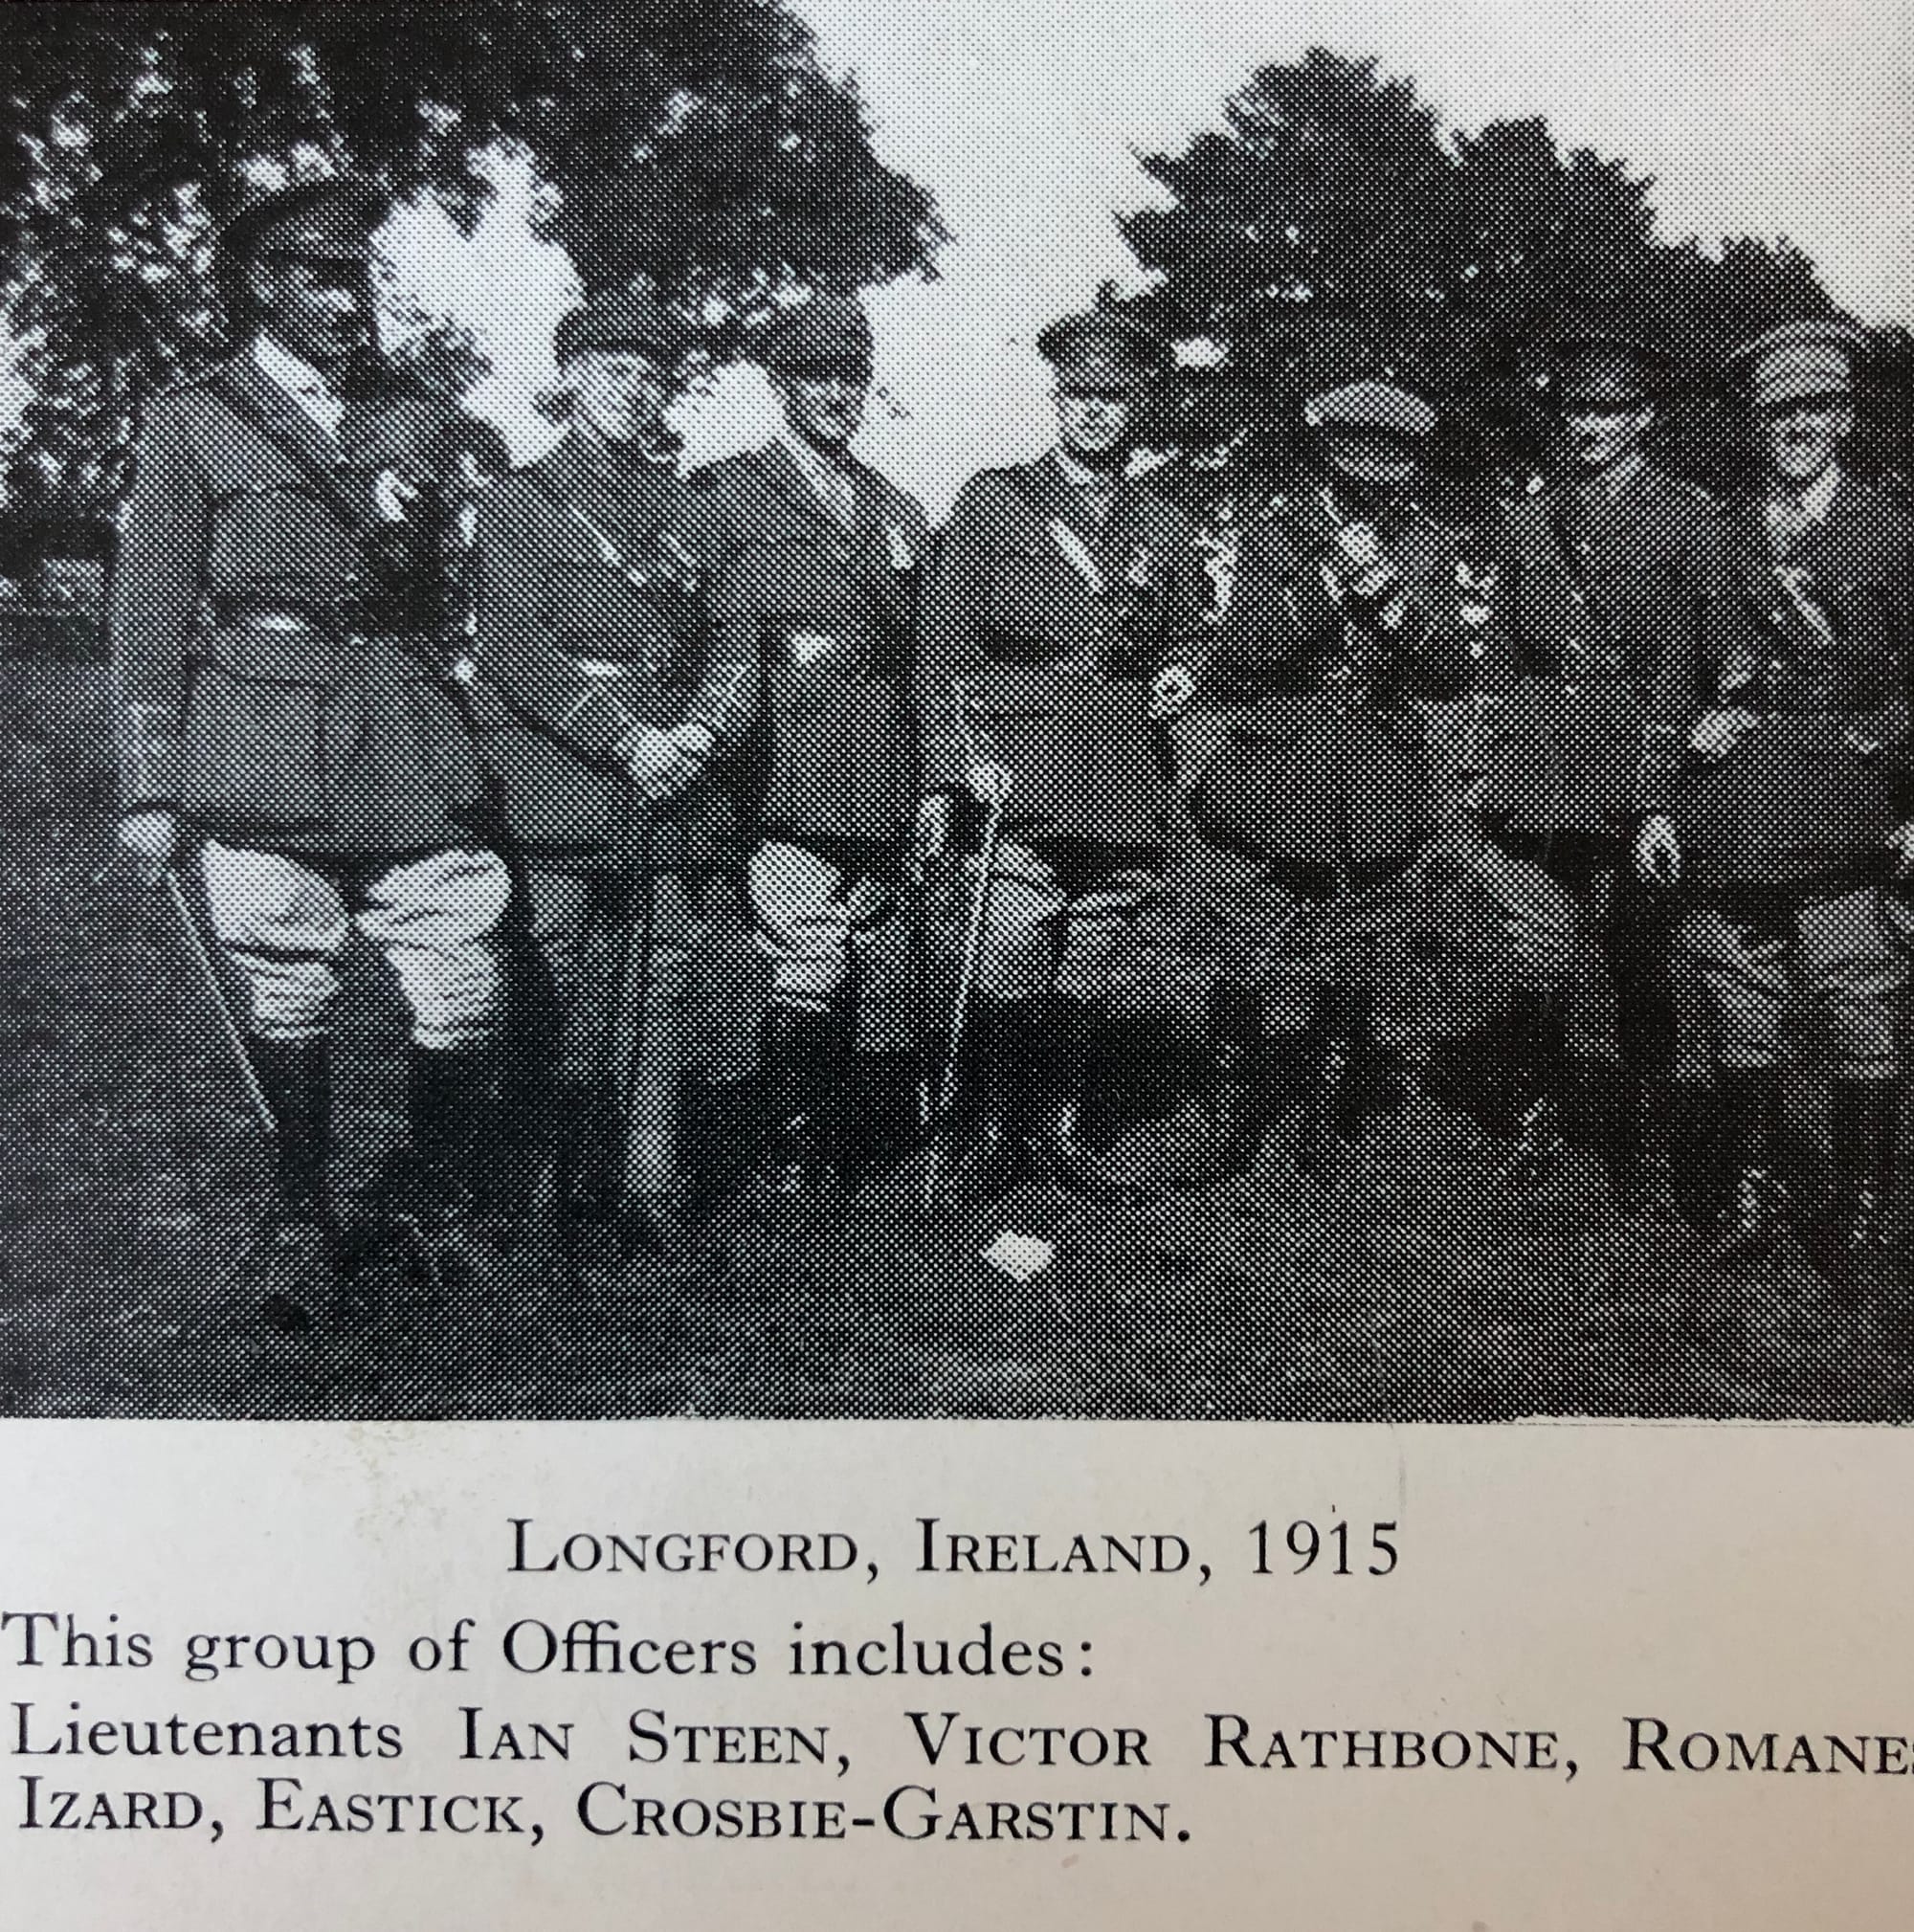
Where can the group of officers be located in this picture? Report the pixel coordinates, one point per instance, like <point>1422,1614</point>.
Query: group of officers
<point>1234,768</point>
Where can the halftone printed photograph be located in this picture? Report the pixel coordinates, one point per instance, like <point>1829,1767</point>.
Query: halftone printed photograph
<point>770,708</point>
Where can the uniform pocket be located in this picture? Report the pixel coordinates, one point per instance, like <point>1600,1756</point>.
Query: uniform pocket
<point>255,749</point>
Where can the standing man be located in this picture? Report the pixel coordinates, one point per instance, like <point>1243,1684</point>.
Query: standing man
<point>587,663</point>
<point>1065,590</point>
<point>1355,612</point>
<point>812,561</point>
<point>1796,804</point>
<point>275,624</point>
<point>1614,581</point>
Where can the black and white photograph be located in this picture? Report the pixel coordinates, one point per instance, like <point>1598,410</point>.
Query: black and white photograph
<point>789,709</point>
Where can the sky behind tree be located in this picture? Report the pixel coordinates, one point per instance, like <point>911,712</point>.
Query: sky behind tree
<point>1768,116</point>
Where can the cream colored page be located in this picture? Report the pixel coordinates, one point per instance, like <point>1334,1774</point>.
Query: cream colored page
<point>1725,1602</point>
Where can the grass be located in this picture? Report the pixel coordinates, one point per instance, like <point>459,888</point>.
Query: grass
<point>1415,1292</point>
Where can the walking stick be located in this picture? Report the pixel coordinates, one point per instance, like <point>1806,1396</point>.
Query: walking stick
<point>216,989</point>
<point>974,949</point>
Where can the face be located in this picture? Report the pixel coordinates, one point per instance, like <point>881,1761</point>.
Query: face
<point>1800,440</point>
<point>825,407</point>
<point>1095,420</point>
<point>319,310</point>
<point>1598,437</point>
<point>618,394</point>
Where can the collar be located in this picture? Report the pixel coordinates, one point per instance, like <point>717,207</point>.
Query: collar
<point>1816,499</point>
<point>280,366</point>
<point>1081,475</point>
<point>828,475</point>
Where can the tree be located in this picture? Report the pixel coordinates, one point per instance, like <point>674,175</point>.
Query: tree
<point>1333,206</point>
<point>698,144</point>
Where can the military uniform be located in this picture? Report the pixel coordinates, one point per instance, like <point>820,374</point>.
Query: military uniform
<point>1783,834</point>
<point>1353,735</point>
<point>276,626</point>
<point>589,633</point>
<point>1061,593</point>
<point>812,562</point>
<point>1611,588</point>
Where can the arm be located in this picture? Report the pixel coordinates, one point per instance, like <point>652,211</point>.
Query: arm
<point>513,650</point>
<point>154,611</point>
<point>950,641</point>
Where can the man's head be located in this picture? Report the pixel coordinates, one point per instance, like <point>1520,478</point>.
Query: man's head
<point>300,262</point>
<point>1601,392</point>
<point>619,356</point>
<point>819,358</point>
<point>1800,383</point>
<point>1372,434</point>
<point>1104,369</point>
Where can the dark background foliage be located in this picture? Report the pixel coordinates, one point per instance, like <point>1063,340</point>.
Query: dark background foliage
<point>699,143</point>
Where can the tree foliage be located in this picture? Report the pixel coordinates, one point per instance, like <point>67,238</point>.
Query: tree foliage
<point>698,144</point>
<point>1332,206</point>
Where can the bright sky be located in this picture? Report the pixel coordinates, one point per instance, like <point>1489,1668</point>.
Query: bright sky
<point>1765,117</point>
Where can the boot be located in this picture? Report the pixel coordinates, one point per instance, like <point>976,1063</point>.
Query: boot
<point>1073,1136</point>
<point>997,1100</point>
<point>1864,1116</point>
<point>1231,1089</point>
<point>1540,1035</point>
<point>1339,1053</point>
<point>802,1072</point>
<point>296,1076</point>
<point>1638,1159</point>
<point>1750,1220</point>
<point>301,1239</point>
<point>449,1092</point>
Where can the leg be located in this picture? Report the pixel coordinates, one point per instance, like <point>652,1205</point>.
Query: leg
<point>1227,911</point>
<point>803,922</point>
<point>1741,954</point>
<point>282,927</point>
<point>436,919</point>
<point>565,1037</point>
<point>1857,977</point>
<point>1005,1047</point>
<point>1097,945</point>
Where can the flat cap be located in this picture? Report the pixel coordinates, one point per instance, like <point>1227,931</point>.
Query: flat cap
<point>1802,362</point>
<point>631,320</point>
<point>1600,368</point>
<point>317,221</point>
<point>1373,408</point>
<point>1103,346</point>
<point>827,332</point>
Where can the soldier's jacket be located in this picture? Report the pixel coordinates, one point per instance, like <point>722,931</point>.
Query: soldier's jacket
<point>1609,604</point>
<point>1328,692</point>
<point>1810,795</point>
<point>1026,660</point>
<point>277,634</point>
<point>589,628</point>
<point>813,625</point>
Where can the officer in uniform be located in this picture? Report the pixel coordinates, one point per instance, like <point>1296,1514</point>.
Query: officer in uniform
<point>276,633</point>
<point>588,659</point>
<point>812,562</point>
<point>1614,580</point>
<point>1065,590</point>
<point>1794,804</point>
<point>1355,612</point>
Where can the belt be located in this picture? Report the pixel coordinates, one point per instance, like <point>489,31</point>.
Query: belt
<point>346,615</point>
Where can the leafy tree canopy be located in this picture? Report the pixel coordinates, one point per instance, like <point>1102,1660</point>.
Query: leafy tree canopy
<point>696,142</point>
<point>1333,206</point>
